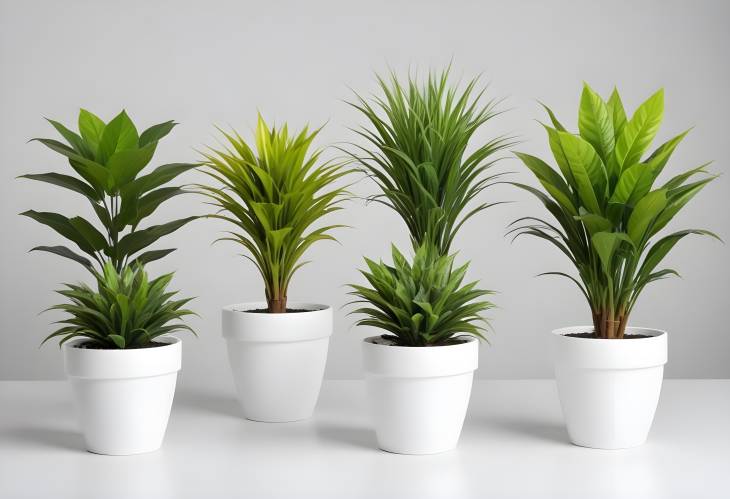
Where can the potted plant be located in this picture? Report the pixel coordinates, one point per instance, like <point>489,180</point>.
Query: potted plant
<point>609,213</point>
<point>272,195</point>
<point>419,373</point>
<point>118,357</point>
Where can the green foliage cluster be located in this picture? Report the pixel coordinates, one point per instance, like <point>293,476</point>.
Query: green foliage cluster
<point>125,311</point>
<point>606,204</point>
<point>423,303</point>
<point>416,151</point>
<point>272,195</point>
<point>107,159</point>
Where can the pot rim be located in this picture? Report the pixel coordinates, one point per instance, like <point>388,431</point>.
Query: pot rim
<point>394,361</point>
<point>100,364</point>
<point>654,333</point>
<point>309,308</point>
<point>468,338</point>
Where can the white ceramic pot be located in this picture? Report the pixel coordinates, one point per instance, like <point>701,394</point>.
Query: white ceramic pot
<point>123,397</point>
<point>277,360</point>
<point>609,388</point>
<point>419,395</point>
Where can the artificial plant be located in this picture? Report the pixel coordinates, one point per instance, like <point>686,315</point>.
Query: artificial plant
<point>416,151</point>
<point>272,194</point>
<point>108,160</point>
<point>606,204</point>
<point>126,310</point>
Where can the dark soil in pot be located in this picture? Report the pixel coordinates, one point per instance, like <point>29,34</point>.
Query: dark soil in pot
<point>383,340</point>
<point>593,335</point>
<point>288,310</point>
<point>90,345</point>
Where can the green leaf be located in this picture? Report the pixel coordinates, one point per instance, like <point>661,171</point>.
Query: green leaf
<point>124,165</point>
<point>640,131</point>
<point>644,214</point>
<point>91,128</point>
<point>595,123</point>
<point>587,170</point>
<point>617,113</point>
<point>119,341</point>
<point>120,134</point>
<point>63,226</point>
<point>78,144</point>
<point>95,238</point>
<point>606,244</point>
<point>156,132</point>
<point>67,182</point>
<point>151,256</point>
<point>551,181</point>
<point>138,240</point>
<point>66,253</point>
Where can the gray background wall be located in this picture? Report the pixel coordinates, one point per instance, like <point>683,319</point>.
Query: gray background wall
<point>218,62</point>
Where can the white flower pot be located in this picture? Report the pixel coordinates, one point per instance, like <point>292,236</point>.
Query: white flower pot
<point>277,360</point>
<point>123,397</point>
<point>419,395</point>
<point>609,388</point>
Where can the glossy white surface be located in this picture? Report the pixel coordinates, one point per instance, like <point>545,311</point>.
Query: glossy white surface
<point>277,360</point>
<point>609,389</point>
<point>123,397</point>
<point>418,396</point>
<point>514,445</point>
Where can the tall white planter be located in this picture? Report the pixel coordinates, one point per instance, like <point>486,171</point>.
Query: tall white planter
<point>609,388</point>
<point>419,395</point>
<point>123,397</point>
<point>277,360</point>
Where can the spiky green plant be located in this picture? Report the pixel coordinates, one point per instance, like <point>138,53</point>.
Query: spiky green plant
<point>126,310</point>
<point>417,153</point>
<point>107,159</point>
<point>423,303</point>
<point>273,195</point>
<point>607,208</point>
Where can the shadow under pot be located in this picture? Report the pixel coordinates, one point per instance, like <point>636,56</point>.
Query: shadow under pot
<point>277,360</point>
<point>123,397</point>
<point>609,388</point>
<point>418,396</point>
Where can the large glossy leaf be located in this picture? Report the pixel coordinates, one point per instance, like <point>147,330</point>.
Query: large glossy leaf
<point>124,165</point>
<point>63,226</point>
<point>617,113</point>
<point>551,181</point>
<point>640,131</point>
<point>76,142</point>
<point>140,239</point>
<point>606,244</point>
<point>67,182</point>
<point>91,128</point>
<point>156,132</point>
<point>587,170</point>
<point>92,172</point>
<point>66,253</point>
<point>119,134</point>
<point>595,123</point>
<point>89,233</point>
<point>645,212</point>
<point>151,256</point>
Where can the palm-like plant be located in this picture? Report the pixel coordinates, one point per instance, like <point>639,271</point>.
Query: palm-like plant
<point>272,196</point>
<point>416,153</point>
<point>108,159</point>
<point>606,206</point>
<point>125,311</point>
<point>423,303</point>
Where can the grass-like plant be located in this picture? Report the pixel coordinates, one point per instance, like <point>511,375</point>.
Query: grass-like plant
<point>125,311</point>
<point>273,195</point>
<point>423,303</point>
<point>607,207</point>
<point>108,159</point>
<point>416,152</point>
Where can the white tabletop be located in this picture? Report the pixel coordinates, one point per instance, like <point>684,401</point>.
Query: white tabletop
<point>513,445</point>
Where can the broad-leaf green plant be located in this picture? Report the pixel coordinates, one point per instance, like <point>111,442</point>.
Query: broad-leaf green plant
<point>416,151</point>
<point>126,310</point>
<point>272,194</point>
<point>608,205</point>
<point>423,303</point>
<point>107,160</point>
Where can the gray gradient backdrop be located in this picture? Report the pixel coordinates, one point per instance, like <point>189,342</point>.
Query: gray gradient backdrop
<point>218,62</point>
